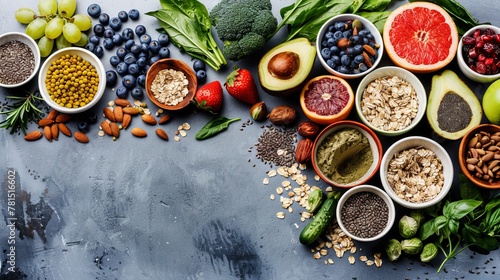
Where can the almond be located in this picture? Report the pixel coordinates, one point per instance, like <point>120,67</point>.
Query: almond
<point>106,127</point>
<point>118,112</point>
<point>161,133</point>
<point>139,132</point>
<point>343,43</point>
<point>64,129</point>
<point>81,137</point>
<point>48,133</point>
<point>149,119</point>
<point>308,129</point>
<point>130,110</point>
<point>52,115</point>
<point>371,51</point>
<point>368,62</point>
<point>54,129</point>
<point>122,102</point>
<point>164,119</point>
<point>34,135</point>
<point>115,131</point>
<point>63,118</point>
<point>109,114</point>
<point>304,150</point>
<point>126,120</point>
<point>45,122</point>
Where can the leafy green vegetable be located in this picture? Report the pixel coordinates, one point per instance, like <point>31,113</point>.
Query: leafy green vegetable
<point>411,246</point>
<point>21,111</point>
<point>377,18</point>
<point>429,252</point>
<point>407,226</point>
<point>188,24</point>
<point>393,249</point>
<point>375,5</point>
<point>214,126</point>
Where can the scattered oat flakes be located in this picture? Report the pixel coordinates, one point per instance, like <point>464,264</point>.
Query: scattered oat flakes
<point>279,190</point>
<point>280,215</point>
<point>271,173</point>
<point>351,259</point>
<point>183,133</point>
<point>101,133</point>
<point>265,181</point>
<point>177,138</point>
<point>272,197</point>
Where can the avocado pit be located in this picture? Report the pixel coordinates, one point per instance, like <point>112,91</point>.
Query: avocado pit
<point>284,65</point>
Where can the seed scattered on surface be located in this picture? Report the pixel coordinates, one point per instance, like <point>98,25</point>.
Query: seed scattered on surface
<point>276,146</point>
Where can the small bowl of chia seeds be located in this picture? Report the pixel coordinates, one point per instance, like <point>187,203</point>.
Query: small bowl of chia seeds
<point>365,213</point>
<point>20,59</point>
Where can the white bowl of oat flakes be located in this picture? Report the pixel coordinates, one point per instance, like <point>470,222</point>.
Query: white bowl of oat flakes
<point>390,100</point>
<point>416,172</point>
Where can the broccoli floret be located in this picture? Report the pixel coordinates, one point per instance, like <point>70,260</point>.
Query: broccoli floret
<point>235,19</point>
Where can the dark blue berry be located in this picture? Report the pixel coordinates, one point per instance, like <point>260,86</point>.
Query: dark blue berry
<point>345,60</point>
<point>111,78</point>
<point>117,39</point>
<point>136,49</point>
<point>154,46</point>
<point>331,42</point>
<point>143,54</point>
<point>163,39</point>
<point>104,19</point>
<point>336,59</point>
<point>145,48</point>
<point>329,35</point>
<point>123,16</point>
<point>94,39</point>
<point>343,69</point>
<point>137,93</point>
<point>122,68</point>
<point>115,23</point>
<point>337,35</point>
<point>141,80</point>
<point>334,49</point>
<point>140,30</point>
<point>133,69</point>
<point>127,33</point>
<point>347,33</point>
<point>129,58</point>
<point>201,76</point>
<point>325,53</point>
<point>83,126</point>
<point>129,81</point>
<point>122,92</point>
<point>153,59</point>
<point>358,49</point>
<point>145,38</point>
<point>94,10</point>
<point>114,60</point>
<point>133,14</point>
<point>199,65</point>
<point>141,62</point>
<point>331,64</point>
<point>164,52</point>
<point>91,117</point>
<point>129,43</point>
<point>98,30</point>
<point>108,43</point>
<point>339,25</point>
<point>359,58</point>
<point>362,67</point>
<point>109,32</point>
<point>121,52</point>
<point>99,51</point>
<point>90,47</point>
<point>350,52</point>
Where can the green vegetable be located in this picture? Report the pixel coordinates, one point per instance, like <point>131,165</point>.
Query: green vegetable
<point>393,249</point>
<point>188,24</point>
<point>214,127</point>
<point>321,220</point>
<point>243,26</point>
<point>21,111</point>
<point>407,226</point>
<point>411,246</point>
<point>429,252</point>
<point>418,215</point>
<point>315,199</point>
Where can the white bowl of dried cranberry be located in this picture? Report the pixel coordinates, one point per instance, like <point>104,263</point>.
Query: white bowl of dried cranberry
<point>365,213</point>
<point>345,54</point>
<point>477,53</point>
<point>20,59</point>
<point>416,172</point>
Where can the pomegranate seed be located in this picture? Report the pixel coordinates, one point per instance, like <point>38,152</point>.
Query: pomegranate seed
<point>494,69</point>
<point>488,31</point>
<point>477,33</point>
<point>489,47</point>
<point>486,38</point>
<point>488,61</point>
<point>479,44</point>
<point>480,67</point>
<point>496,38</point>
<point>481,57</point>
<point>472,53</point>
<point>498,64</point>
<point>469,40</point>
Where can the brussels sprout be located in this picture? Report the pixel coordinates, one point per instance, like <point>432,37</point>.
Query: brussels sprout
<point>315,200</point>
<point>393,249</point>
<point>429,252</point>
<point>407,227</point>
<point>411,246</point>
<point>418,215</point>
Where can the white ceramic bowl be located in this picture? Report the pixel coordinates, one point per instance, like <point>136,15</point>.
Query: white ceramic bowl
<point>22,37</point>
<point>367,25</point>
<point>413,142</point>
<point>405,75</point>
<point>88,56</point>
<point>469,73</point>
<point>377,191</point>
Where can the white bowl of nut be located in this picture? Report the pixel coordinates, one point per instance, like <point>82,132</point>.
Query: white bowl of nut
<point>416,172</point>
<point>390,100</point>
<point>20,59</point>
<point>72,80</point>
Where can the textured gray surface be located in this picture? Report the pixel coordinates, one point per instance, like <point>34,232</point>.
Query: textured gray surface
<point>147,209</point>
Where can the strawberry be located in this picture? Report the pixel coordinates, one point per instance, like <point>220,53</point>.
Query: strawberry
<point>240,85</point>
<point>209,97</point>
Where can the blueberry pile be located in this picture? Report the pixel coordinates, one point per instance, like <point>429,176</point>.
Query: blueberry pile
<point>348,48</point>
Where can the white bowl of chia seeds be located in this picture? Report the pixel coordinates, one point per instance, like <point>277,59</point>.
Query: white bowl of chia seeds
<point>365,213</point>
<point>20,59</point>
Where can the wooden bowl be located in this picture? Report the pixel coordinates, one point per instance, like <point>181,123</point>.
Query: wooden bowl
<point>464,149</point>
<point>174,64</point>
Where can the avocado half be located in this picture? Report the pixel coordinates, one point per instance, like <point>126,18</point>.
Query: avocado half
<point>452,107</point>
<point>284,69</point>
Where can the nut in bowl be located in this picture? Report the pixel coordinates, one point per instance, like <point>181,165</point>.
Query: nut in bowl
<point>416,172</point>
<point>365,213</point>
<point>479,156</point>
<point>20,59</point>
<point>78,94</point>
<point>171,84</point>
<point>390,100</point>
<point>346,154</point>
<point>349,46</point>
<point>479,70</point>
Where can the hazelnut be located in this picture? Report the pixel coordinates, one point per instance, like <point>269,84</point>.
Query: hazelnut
<point>258,111</point>
<point>282,115</point>
<point>308,129</point>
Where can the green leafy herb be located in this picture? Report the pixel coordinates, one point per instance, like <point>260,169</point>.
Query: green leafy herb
<point>214,127</point>
<point>21,111</point>
<point>188,24</point>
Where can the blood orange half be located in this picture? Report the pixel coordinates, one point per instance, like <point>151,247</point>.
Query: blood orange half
<point>327,99</point>
<point>421,37</point>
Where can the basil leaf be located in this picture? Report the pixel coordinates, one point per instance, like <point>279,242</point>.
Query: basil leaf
<point>453,226</point>
<point>477,241</point>
<point>431,227</point>
<point>458,209</point>
<point>492,204</point>
<point>467,189</point>
<point>214,126</point>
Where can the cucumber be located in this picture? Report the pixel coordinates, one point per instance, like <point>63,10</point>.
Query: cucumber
<point>321,220</point>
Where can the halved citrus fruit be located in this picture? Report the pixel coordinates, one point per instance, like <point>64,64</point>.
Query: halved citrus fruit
<point>326,99</point>
<point>420,37</point>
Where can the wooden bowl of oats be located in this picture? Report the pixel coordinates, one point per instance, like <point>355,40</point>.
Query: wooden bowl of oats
<point>390,100</point>
<point>171,84</point>
<point>416,172</point>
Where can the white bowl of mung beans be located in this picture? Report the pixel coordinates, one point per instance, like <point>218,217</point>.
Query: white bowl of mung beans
<point>72,80</point>
<point>20,59</point>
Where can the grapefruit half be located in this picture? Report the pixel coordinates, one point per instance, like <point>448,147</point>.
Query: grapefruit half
<point>420,37</point>
<point>326,99</point>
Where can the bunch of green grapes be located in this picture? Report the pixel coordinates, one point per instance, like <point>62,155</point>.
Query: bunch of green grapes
<point>56,25</point>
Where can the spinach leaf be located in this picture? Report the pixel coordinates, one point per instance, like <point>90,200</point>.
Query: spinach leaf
<point>375,5</point>
<point>377,18</point>
<point>356,6</point>
<point>214,126</point>
<point>458,209</point>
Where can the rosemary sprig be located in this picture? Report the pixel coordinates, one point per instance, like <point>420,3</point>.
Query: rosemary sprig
<point>21,111</point>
